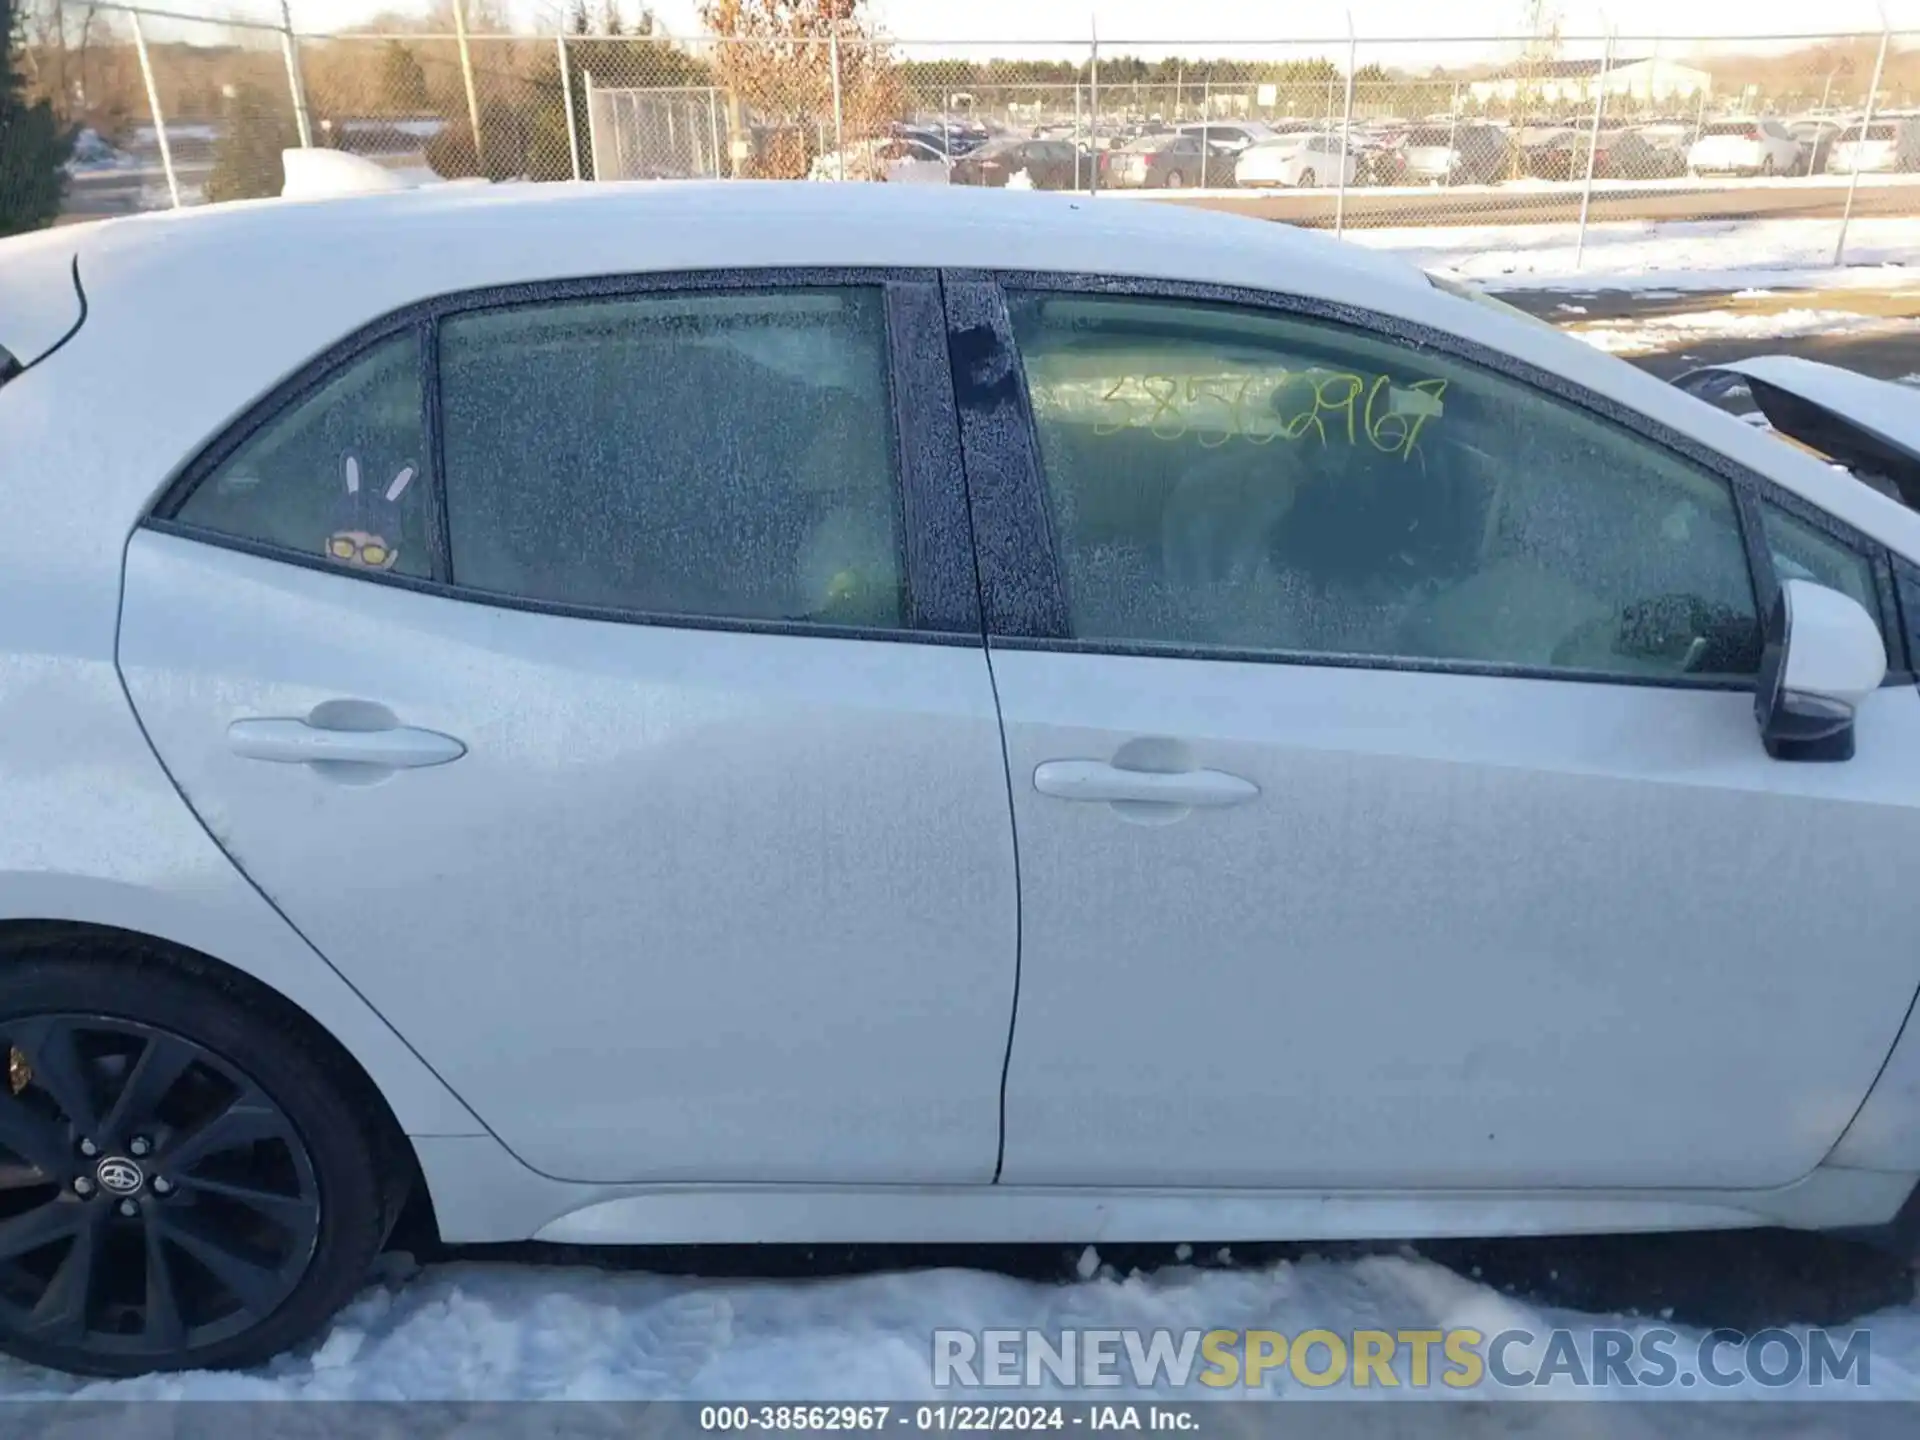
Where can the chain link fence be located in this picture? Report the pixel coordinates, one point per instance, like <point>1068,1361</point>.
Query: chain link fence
<point>1346,134</point>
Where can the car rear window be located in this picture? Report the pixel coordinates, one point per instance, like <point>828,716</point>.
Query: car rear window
<point>1732,127</point>
<point>1881,132</point>
<point>1422,138</point>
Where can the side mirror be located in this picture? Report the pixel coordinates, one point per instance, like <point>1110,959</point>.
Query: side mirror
<point>1823,655</point>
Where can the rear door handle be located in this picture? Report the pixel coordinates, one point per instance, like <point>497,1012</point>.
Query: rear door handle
<point>1099,781</point>
<point>295,742</point>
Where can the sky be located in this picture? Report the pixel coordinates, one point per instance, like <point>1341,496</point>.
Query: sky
<point>1190,21</point>
<point>1057,29</point>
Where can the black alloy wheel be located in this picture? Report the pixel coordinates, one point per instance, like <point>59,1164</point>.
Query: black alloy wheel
<point>186,1177</point>
<point>152,1198</point>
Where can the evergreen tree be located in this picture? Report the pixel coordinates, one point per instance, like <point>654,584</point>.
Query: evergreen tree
<point>246,158</point>
<point>403,82</point>
<point>33,148</point>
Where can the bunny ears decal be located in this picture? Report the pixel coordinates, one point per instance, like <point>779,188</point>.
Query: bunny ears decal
<point>394,491</point>
<point>366,534</point>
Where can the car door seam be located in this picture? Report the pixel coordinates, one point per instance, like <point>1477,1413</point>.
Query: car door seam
<point>1006,759</point>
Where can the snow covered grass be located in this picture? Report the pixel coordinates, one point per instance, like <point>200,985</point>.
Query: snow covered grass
<point>1882,253</point>
<point>1671,332</point>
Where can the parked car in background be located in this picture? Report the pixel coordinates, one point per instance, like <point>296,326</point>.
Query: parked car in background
<point>1892,143</point>
<point>1378,162</point>
<point>1302,160</point>
<point>1461,154</point>
<point>1815,137</point>
<point>1550,154</point>
<point>1171,162</point>
<point>1650,152</point>
<point>1757,145</point>
<point>1047,164</point>
<point>1619,154</point>
<point>894,160</point>
<point>1232,136</point>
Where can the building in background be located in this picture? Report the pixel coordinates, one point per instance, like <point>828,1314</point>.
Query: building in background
<point>1563,82</point>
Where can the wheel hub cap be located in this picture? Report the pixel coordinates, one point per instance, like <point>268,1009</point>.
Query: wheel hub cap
<point>120,1176</point>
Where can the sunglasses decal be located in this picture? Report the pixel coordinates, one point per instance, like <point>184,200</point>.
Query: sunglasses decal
<point>368,516</point>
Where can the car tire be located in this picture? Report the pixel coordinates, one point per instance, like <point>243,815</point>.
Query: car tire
<point>1768,166</point>
<point>1174,180</point>
<point>208,1185</point>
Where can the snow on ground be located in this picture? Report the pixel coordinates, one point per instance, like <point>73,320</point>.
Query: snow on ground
<point>495,1331</point>
<point>1678,255</point>
<point>1639,336</point>
<point>1537,186</point>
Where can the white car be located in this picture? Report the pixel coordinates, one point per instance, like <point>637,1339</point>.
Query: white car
<point>1459,153</point>
<point>534,692</point>
<point>1890,143</point>
<point>1745,146</point>
<point>1232,136</point>
<point>1302,160</point>
<point>895,160</point>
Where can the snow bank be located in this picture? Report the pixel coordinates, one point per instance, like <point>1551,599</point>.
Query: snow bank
<point>475,1332</point>
<point>1882,253</point>
<point>1671,332</point>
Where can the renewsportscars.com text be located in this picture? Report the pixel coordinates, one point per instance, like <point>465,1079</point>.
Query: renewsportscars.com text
<point>1456,1359</point>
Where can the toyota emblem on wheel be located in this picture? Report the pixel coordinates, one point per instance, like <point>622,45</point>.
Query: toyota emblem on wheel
<point>119,1175</point>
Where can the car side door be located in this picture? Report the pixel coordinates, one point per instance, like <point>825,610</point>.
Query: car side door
<point>592,673</point>
<point>1390,809</point>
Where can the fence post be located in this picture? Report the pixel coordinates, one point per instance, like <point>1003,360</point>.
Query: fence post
<point>1346,131</point>
<point>1453,134</point>
<point>1093,105</point>
<point>466,74</point>
<point>290,49</point>
<point>593,125</point>
<point>1593,150</point>
<point>713,130</point>
<point>1866,119</point>
<point>1077,131</point>
<point>839,115</point>
<point>153,104</point>
<point>566,100</point>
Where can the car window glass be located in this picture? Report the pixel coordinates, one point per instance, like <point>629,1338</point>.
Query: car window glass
<point>336,474</point>
<point>725,455</point>
<point>1802,551</point>
<point>1229,478</point>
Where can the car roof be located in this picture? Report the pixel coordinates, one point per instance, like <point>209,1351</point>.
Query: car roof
<point>379,251</point>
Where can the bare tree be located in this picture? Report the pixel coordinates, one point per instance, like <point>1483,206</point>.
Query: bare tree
<point>780,61</point>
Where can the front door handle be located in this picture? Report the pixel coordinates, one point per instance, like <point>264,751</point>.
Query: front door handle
<point>295,742</point>
<point>1097,780</point>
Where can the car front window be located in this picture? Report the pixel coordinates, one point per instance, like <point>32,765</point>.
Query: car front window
<point>1229,479</point>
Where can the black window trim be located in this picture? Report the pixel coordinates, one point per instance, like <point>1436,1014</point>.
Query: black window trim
<point>942,596</point>
<point>1044,626</point>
